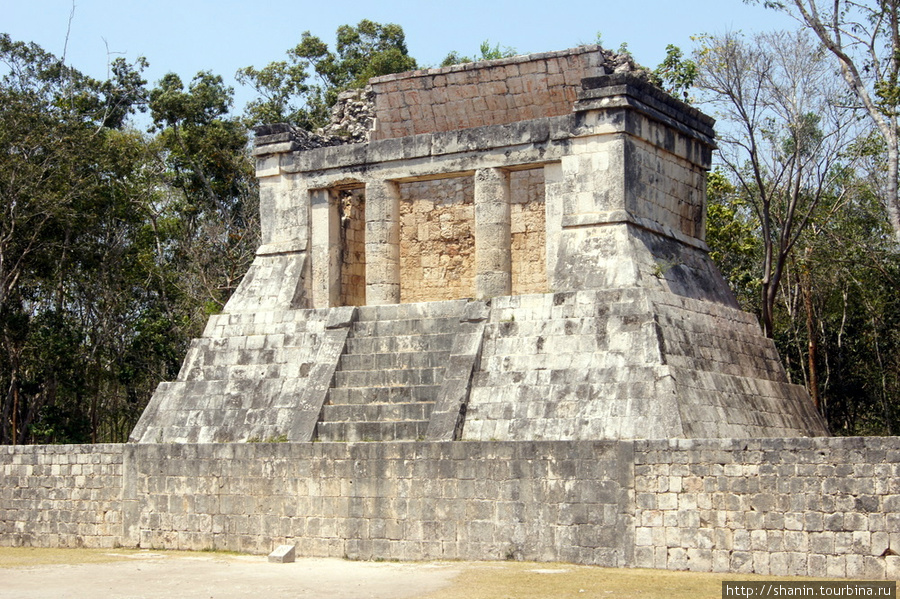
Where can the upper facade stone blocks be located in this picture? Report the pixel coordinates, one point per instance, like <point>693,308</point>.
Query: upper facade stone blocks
<point>617,153</point>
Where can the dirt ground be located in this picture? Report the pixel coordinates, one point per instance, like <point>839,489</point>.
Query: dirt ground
<point>133,574</point>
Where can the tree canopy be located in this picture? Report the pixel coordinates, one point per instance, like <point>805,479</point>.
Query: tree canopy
<point>863,38</point>
<point>287,95</point>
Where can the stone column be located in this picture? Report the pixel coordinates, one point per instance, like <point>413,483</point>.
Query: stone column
<point>554,196</point>
<point>325,248</point>
<point>493,261</point>
<point>382,243</point>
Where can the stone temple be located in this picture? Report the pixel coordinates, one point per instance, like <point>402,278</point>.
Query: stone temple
<point>500,277</point>
<point>513,251</point>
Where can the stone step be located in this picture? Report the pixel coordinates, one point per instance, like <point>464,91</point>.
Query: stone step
<point>377,412</point>
<point>410,430</point>
<point>417,311</point>
<point>387,361</point>
<point>392,328</point>
<point>395,377</point>
<point>356,396</point>
<point>400,343</point>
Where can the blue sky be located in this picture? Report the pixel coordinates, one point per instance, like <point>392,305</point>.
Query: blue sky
<point>187,36</point>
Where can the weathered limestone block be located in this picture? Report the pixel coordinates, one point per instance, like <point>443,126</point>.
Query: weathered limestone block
<point>283,554</point>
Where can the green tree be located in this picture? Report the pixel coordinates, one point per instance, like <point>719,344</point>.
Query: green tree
<point>286,93</point>
<point>732,236</point>
<point>676,74</point>
<point>838,317</point>
<point>207,218</point>
<point>781,138</point>
<point>114,244</point>
<point>76,185</point>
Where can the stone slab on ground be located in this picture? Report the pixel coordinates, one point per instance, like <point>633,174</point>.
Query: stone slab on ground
<point>283,554</point>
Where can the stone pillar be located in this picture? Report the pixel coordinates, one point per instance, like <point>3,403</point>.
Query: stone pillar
<point>554,195</point>
<point>382,243</point>
<point>493,261</point>
<point>325,236</point>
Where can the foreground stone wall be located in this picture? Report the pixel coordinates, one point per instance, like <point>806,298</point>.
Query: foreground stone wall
<point>814,507</point>
<point>61,495</point>
<point>390,500</point>
<point>804,507</point>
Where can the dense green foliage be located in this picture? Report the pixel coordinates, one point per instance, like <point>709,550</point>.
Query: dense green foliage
<point>116,244</point>
<point>286,94</point>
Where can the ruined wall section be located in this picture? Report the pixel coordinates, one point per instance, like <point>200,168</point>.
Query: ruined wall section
<point>493,92</point>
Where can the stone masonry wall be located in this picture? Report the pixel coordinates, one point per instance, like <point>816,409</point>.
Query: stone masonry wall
<point>437,240</point>
<point>437,237</point>
<point>804,507</point>
<point>528,225</point>
<point>482,93</point>
<point>543,501</point>
<point>813,507</point>
<point>61,495</point>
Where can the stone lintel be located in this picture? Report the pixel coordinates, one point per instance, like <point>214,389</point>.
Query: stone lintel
<point>270,146</point>
<point>487,147</point>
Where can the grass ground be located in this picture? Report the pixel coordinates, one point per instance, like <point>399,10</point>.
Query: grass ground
<point>526,580</point>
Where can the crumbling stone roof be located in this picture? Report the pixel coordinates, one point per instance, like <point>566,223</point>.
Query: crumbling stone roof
<point>457,97</point>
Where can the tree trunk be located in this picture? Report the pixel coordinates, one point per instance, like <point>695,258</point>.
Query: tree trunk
<point>892,201</point>
<point>811,334</point>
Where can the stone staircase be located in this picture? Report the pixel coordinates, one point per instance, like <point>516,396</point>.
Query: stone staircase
<point>390,374</point>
